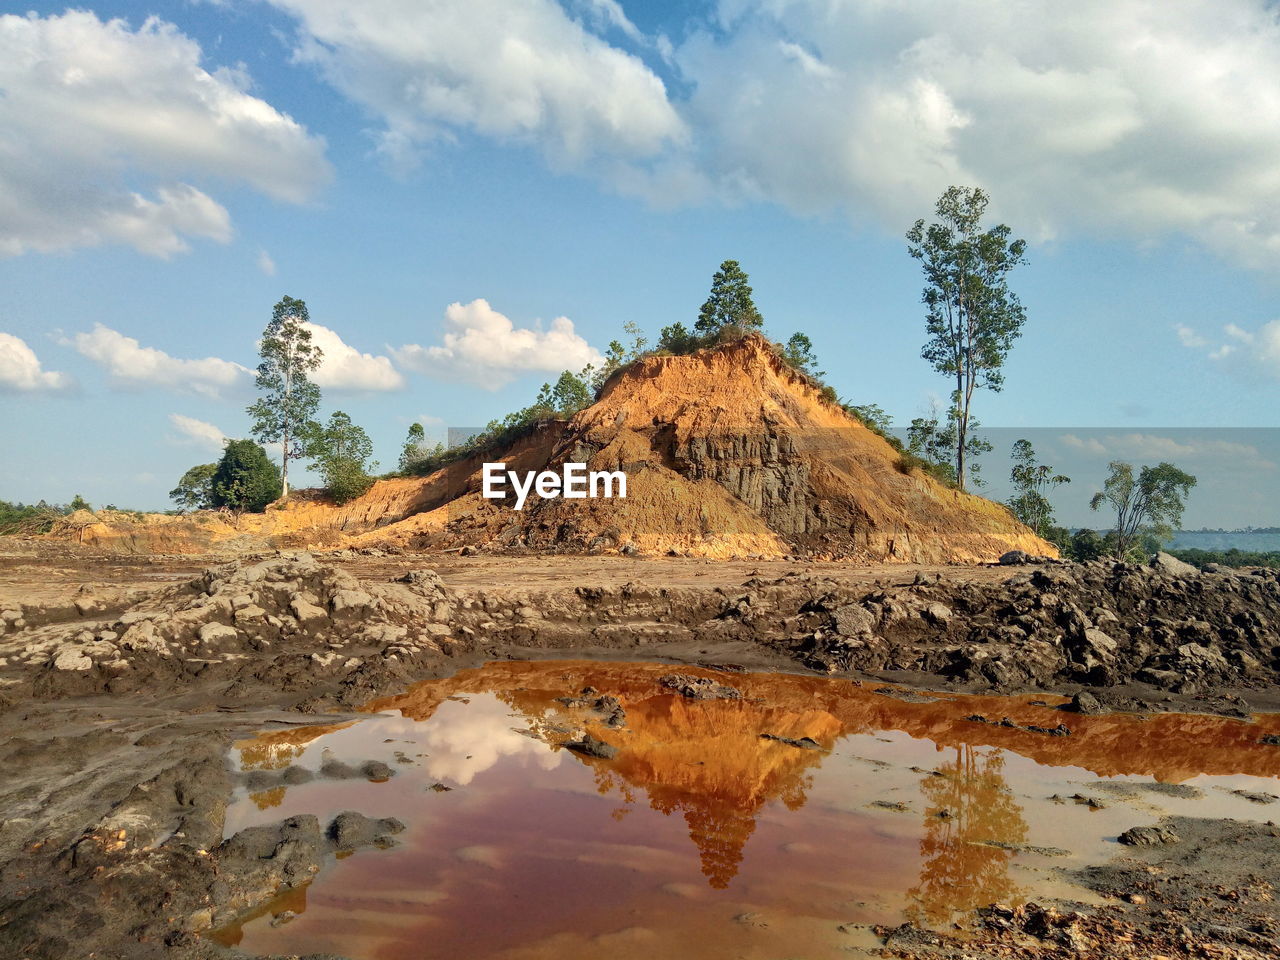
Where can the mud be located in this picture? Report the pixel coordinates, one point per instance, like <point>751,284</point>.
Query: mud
<point>121,700</point>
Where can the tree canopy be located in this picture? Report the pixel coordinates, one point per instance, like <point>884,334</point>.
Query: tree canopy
<point>245,479</point>
<point>287,408</point>
<point>195,490</point>
<point>972,317</point>
<point>1032,480</point>
<point>340,451</point>
<point>730,303</point>
<point>1149,505</point>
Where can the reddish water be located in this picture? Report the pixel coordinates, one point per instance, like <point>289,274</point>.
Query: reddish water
<point>703,839</point>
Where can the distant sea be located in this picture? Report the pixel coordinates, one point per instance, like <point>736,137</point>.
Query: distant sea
<point>1252,542</point>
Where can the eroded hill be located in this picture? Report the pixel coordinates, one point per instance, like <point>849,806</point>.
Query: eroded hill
<point>728,452</point>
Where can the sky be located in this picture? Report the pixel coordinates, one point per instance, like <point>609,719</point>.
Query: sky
<point>473,195</point>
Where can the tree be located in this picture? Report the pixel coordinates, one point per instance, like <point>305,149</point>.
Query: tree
<point>1086,545</point>
<point>972,317</point>
<point>1150,506</point>
<point>288,406</point>
<point>871,415</point>
<point>414,445</point>
<point>678,339</point>
<point>729,304</point>
<point>799,353</point>
<point>340,451</point>
<point>1031,480</point>
<point>935,441</point>
<point>616,356</point>
<point>245,480</point>
<point>78,503</point>
<point>195,490</point>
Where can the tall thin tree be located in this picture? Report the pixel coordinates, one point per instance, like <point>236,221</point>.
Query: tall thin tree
<point>287,408</point>
<point>973,318</point>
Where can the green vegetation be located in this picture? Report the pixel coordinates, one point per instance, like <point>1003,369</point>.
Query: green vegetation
<point>245,480</point>
<point>340,452</point>
<point>195,490</point>
<point>28,519</point>
<point>1229,558</point>
<point>1149,506</point>
<point>972,317</point>
<point>1031,479</point>
<point>286,410</point>
<point>729,304</point>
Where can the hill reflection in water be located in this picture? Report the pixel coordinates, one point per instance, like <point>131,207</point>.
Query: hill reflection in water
<point>902,811</point>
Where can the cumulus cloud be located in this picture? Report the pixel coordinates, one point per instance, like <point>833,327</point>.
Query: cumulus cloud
<point>197,432</point>
<point>519,70</point>
<point>20,369</point>
<point>343,367</point>
<point>483,346</point>
<point>1154,447</point>
<point>129,364</point>
<point>103,127</point>
<point>1103,114</point>
<point>1249,353</point>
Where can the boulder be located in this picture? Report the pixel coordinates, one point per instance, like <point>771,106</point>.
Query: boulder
<point>72,658</point>
<point>1168,564</point>
<point>1014,558</point>
<point>854,620</point>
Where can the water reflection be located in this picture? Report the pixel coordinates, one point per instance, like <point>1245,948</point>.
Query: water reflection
<point>970,808</point>
<point>538,852</point>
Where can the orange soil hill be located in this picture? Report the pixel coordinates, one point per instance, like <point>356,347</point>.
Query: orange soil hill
<point>728,452</point>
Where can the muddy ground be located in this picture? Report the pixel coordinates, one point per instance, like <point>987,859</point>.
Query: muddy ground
<point>124,680</point>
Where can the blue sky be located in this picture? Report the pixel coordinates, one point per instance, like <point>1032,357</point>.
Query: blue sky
<point>441,180</point>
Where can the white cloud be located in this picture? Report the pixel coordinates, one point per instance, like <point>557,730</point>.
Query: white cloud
<point>1188,337</point>
<point>609,13</point>
<point>343,367</point>
<point>518,70</point>
<point>197,432</point>
<point>1247,353</point>
<point>485,347</point>
<point>1111,115</point>
<point>103,125</point>
<point>266,264</point>
<point>1154,447</point>
<point>129,364</point>
<point>20,369</point>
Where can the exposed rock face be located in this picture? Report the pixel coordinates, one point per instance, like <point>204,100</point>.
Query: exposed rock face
<point>728,452</point>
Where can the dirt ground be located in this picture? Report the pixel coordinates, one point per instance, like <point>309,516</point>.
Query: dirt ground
<point>123,681</point>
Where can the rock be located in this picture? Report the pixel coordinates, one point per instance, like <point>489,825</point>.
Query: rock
<point>470,550</point>
<point>72,659</point>
<point>1171,565</point>
<point>939,614</point>
<point>698,688</point>
<point>350,830</point>
<point>804,743</point>
<point>350,603</point>
<point>854,620</point>
<point>1014,558</point>
<point>217,636</point>
<point>591,747</point>
<point>307,613</point>
<point>1148,836</point>
<point>142,637</point>
<point>1086,703</point>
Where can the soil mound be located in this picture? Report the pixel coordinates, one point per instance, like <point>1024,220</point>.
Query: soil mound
<point>728,452</point>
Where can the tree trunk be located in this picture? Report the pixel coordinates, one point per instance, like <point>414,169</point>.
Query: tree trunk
<point>284,467</point>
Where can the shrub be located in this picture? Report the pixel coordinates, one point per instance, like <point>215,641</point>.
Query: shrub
<point>245,480</point>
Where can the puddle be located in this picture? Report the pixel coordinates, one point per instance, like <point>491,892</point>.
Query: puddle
<point>704,838</point>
